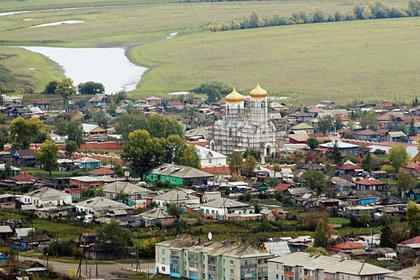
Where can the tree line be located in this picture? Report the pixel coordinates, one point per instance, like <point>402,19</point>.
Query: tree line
<point>376,10</point>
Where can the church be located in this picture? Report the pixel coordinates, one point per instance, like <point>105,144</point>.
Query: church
<point>245,125</point>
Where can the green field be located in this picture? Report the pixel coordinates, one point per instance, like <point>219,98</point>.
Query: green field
<point>375,59</point>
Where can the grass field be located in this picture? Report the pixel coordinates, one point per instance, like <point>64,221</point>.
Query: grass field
<point>342,61</point>
<point>28,70</point>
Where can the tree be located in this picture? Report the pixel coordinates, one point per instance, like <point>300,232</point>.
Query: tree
<point>118,170</point>
<point>75,132</point>
<point>325,124</point>
<point>157,125</point>
<point>66,89</point>
<point>414,8</point>
<point>190,157</point>
<point>100,192</point>
<point>25,131</point>
<point>214,90</point>
<point>248,166</point>
<point>100,118</point>
<point>312,143</point>
<point>71,147</point>
<point>321,234</point>
<point>397,156</point>
<point>174,147</point>
<point>393,232</point>
<point>47,155</point>
<point>235,163</point>
<point>252,152</point>
<point>368,162</point>
<point>336,154</point>
<point>51,87</point>
<point>254,20</point>
<point>113,239</point>
<point>4,137</point>
<point>413,218</point>
<point>368,120</point>
<point>315,180</point>
<point>143,152</point>
<point>91,88</point>
<point>405,181</point>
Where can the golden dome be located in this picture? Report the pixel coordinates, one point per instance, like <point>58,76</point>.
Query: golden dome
<point>258,92</point>
<point>234,96</point>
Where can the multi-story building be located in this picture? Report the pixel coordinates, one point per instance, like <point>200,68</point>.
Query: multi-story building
<point>245,125</point>
<point>197,260</point>
<point>305,266</point>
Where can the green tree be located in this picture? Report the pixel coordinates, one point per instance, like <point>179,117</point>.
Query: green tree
<point>321,234</point>
<point>71,147</point>
<point>235,163</point>
<point>190,157</point>
<point>51,87</point>
<point>413,218</point>
<point>100,192</point>
<point>215,90</point>
<point>66,89</point>
<point>368,120</point>
<point>143,152</point>
<point>4,137</point>
<point>336,154</point>
<point>252,152</point>
<point>47,155</point>
<point>248,166</point>
<point>315,180</point>
<point>157,125</point>
<point>25,131</point>
<point>414,8</point>
<point>312,143</point>
<point>368,162</point>
<point>118,170</point>
<point>405,181</point>
<point>113,239</point>
<point>91,88</point>
<point>397,156</point>
<point>325,124</point>
<point>75,132</point>
<point>174,147</point>
<point>100,118</point>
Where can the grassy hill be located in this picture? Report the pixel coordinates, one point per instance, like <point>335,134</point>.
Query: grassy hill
<point>341,61</point>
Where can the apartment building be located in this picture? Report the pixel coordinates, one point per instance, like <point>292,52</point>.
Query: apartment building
<point>305,266</point>
<point>198,260</point>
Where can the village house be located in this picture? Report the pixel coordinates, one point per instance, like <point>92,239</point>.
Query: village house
<point>103,207</point>
<point>372,184</point>
<point>220,208</point>
<point>343,147</point>
<point>178,197</point>
<point>135,194</point>
<point>210,158</point>
<point>90,130</point>
<point>178,175</point>
<point>87,163</point>
<point>155,217</point>
<point>46,197</point>
<point>307,266</point>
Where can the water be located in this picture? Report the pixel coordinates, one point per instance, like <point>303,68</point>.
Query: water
<point>108,66</point>
<point>72,21</point>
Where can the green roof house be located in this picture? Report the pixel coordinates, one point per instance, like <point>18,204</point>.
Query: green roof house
<point>178,175</point>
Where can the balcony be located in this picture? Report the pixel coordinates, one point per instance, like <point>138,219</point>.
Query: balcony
<point>289,274</point>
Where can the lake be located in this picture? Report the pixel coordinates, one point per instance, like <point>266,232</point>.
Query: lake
<point>108,66</point>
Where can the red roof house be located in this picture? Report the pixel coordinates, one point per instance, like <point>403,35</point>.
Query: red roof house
<point>102,171</point>
<point>371,184</point>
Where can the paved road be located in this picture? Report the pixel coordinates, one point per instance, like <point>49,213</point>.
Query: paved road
<point>106,271</point>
